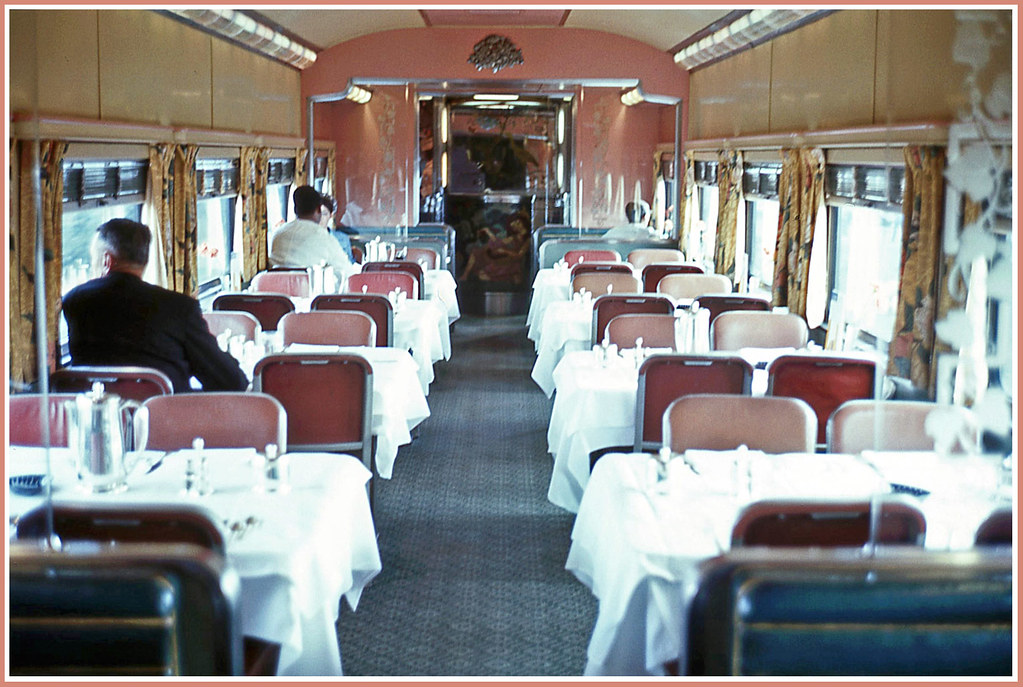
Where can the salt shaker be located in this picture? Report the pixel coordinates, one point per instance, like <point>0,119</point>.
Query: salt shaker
<point>276,470</point>
<point>194,467</point>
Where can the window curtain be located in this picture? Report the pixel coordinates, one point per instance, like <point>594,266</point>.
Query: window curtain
<point>911,354</point>
<point>255,168</point>
<point>729,198</point>
<point>687,212</point>
<point>301,170</point>
<point>182,257</point>
<point>23,354</point>
<point>159,212</point>
<point>331,174</point>
<point>800,196</point>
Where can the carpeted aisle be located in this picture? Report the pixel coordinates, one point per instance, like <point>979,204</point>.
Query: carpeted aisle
<point>473,580</point>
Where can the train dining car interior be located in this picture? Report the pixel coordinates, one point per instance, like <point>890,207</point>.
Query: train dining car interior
<point>511,341</point>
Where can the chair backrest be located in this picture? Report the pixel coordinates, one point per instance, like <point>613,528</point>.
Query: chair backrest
<point>655,271</point>
<point>611,305</point>
<point>575,256</point>
<point>828,524</point>
<point>288,282</point>
<point>721,422</point>
<point>328,397</point>
<point>383,282</point>
<point>658,331</point>
<point>996,529</point>
<point>689,286</point>
<point>408,266</point>
<point>597,283</point>
<point>427,255</point>
<point>731,331</point>
<point>375,305</point>
<point>664,378</point>
<point>641,257</point>
<point>136,609</point>
<point>883,425</point>
<point>818,612</point>
<point>137,383</point>
<point>329,328</point>
<point>235,321</point>
<point>125,523</point>
<point>599,267</point>
<point>719,303</point>
<point>25,415</point>
<point>268,308</point>
<point>823,381</point>
<point>223,419</point>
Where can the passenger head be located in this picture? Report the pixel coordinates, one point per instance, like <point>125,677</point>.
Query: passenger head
<point>121,245</point>
<point>638,212</point>
<point>307,203</point>
<point>326,209</point>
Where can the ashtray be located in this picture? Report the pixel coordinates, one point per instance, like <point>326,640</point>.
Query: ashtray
<point>906,489</point>
<point>27,485</point>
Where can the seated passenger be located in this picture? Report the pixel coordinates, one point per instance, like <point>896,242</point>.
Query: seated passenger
<point>327,221</point>
<point>304,242</point>
<point>639,217</point>
<point>118,319</point>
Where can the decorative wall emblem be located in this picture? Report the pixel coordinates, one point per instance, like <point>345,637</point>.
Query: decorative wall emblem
<point>495,52</point>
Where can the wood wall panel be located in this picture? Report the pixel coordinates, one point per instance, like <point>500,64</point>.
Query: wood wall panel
<point>822,75</point>
<point>253,94</point>
<point>154,69</point>
<point>732,97</point>
<point>54,57</point>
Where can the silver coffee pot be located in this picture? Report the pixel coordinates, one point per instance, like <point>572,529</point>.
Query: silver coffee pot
<point>99,436</point>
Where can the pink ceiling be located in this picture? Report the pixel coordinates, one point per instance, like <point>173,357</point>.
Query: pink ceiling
<point>497,17</point>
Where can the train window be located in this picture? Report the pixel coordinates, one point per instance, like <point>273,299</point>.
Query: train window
<point>279,180</point>
<point>217,185</point>
<point>865,275</point>
<point>707,224</point>
<point>762,218</point>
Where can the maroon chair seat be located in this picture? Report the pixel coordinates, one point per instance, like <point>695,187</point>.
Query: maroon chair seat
<point>408,266</point>
<point>375,305</point>
<point>268,308</point>
<point>820,523</point>
<point>136,383</point>
<point>599,267</point>
<point>329,328</point>
<point>657,331</point>
<point>719,303</point>
<point>996,530</point>
<point>611,305</point>
<point>576,256</point>
<point>383,282</point>
<point>223,419</point>
<point>25,416</point>
<point>235,321</point>
<point>722,422</point>
<point>427,255</point>
<point>288,282</point>
<point>654,272</point>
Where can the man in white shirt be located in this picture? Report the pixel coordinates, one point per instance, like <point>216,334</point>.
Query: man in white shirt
<point>638,215</point>
<point>304,242</point>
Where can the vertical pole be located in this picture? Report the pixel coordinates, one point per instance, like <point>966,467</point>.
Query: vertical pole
<point>676,193</point>
<point>311,162</point>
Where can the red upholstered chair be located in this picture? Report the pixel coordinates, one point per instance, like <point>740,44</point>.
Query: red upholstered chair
<point>664,378</point>
<point>597,283</point>
<point>655,271</point>
<point>235,321</point>
<point>641,257</point>
<point>137,383</point>
<point>658,331</point>
<point>827,523</point>
<point>573,257</point>
<point>996,530</point>
<point>613,304</point>
<point>373,304</point>
<point>408,266</point>
<point>823,381</point>
<point>268,308</point>
<point>689,286</point>
<point>719,303</point>
<point>329,328</point>
<point>731,331</point>
<point>288,282</point>
<point>328,397</point>
<point>25,417</point>
<point>882,425</point>
<point>601,267</point>
<point>427,255</point>
<point>223,419</point>
<point>721,422</point>
<point>383,282</point>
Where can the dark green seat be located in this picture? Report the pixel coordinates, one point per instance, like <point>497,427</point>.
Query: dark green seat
<point>838,612</point>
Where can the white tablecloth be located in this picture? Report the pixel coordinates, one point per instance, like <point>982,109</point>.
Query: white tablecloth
<point>441,287</point>
<point>399,403</point>
<point>421,327</point>
<point>551,285</point>
<point>308,548</point>
<point>637,546</point>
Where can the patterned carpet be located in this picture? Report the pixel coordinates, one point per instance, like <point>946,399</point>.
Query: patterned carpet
<point>473,580</point>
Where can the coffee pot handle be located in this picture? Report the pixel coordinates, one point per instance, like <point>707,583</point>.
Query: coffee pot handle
<point>128,409</point>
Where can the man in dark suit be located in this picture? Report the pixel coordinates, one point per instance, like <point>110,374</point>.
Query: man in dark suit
<point>118,319</point>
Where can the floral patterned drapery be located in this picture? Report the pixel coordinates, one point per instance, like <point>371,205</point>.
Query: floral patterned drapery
<point>182,255</point>
<point>330,182</point>
<point>729,197</point>
<point>800,196</point>
<point>687,211</point>
<point>911,354</point>
<point>302,164</point>
<point>255,168</point>
<point>158,213</point>
<point>23,353</point>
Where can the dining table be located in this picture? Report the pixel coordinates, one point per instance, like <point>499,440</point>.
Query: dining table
<point>440,286</point>
<point>641,533</point>
<point>297,552</point>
